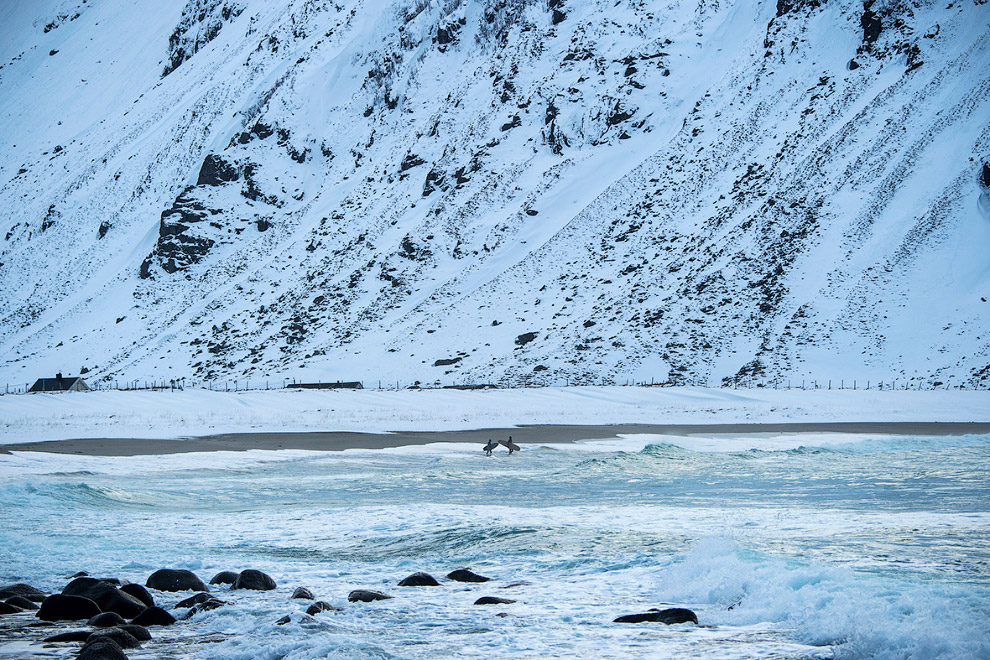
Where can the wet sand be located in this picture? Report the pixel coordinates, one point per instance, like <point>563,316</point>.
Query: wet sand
<point>338,441</point>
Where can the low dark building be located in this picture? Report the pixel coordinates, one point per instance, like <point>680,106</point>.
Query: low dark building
<point>328,386</point>
<point>59,384</point>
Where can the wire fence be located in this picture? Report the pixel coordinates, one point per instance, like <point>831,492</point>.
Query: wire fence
<point>244,385</point>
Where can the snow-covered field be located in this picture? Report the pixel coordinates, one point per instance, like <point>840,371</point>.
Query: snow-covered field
<point>26,418</point>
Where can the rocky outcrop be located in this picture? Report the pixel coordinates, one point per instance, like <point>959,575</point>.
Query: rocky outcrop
<point>106,620</point>
<point>107,596</point>
<point>195,599</point>
<point>302,593</point>
<point>101,649</point>
<point>21,602</point>
<point>124,639</point>
<point>23,590</point>
<point>366,596</point>
<point>493,600</point>
<point>153,616</point>
<point>321,606</point>
<point>139,592</point>
<point>224,577</point>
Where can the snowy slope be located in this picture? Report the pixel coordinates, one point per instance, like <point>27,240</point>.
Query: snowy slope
<point>502,191</point>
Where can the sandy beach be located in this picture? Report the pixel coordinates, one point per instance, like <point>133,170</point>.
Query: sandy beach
<point>550,433</point>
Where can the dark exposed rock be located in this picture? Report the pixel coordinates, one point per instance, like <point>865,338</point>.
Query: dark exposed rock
<point>101,649</point>
<point>21,589</point>
<point>21,602</point>
<point>493,600</point>
<point>525,338</point>
<point>7,608</point>
<point>59,607</point>
<point>252,579</point>
<point>410,161</point>
<point>871,23</point>
<point>195,599</point>
<point>465,575</point>
<point>138,592</point>
<point>224,577</point>
<point>153,616</point>
<point>366,596</point>
<point>514,122</point>
<point>419,580</point>
<point>124,639</point>
<point>175,579</point>
<point>199,24</point>
<point>985,175</point>
<point>434,179</point>
<point>557,16</point>
<point>303,593</point>
<point>321,606</point>
<point>107,596</point>
<point>284,620</point>
<point>71,636</point>
<point>106,620</point>
<point>669,616</point>
<point>216,171</point>
<point>445,362</point>
<point>79,574</point>
<point>852,65</point>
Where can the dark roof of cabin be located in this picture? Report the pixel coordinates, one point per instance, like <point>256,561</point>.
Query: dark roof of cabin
<point>55,384</point>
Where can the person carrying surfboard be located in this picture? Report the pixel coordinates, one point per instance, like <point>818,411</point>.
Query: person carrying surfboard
<point>490,446</point>
<point>509,444</point>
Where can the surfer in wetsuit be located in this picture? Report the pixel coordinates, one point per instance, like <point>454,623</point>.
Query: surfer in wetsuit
<point>509,444</point>
<point>490,446</point>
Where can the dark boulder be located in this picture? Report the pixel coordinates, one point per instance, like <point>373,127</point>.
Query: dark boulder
<point>59,607</point>
<point>195,599</point>
<point>124,639</point>
<point>284,620</point>
<point>871,23</point>
<point>7,608</point>
<point>320,606</point>
<point>366,596</point>
<point>71,636</point>
<point>224,577</point>
<point>175,579</point>
<point>139,592</point>
<point>985,175</point>
<point>669,616</point>
<point>107,596</point>
<point>79,574</point>
<point>101,649</point>
<point>419,580</point>
<point>153,616</point>
<point>252,579</point>
<point>465,575</point>
<point>303,593</point>
<point>21,602</point>
<point>493,600</point>
<point>23,590</point>
<point>106,620</point>
<point>139,633</point>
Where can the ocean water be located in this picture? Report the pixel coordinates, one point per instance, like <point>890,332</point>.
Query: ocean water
<point>816,546</point>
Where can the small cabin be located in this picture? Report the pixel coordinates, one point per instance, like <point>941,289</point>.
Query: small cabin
<point>59,384</point>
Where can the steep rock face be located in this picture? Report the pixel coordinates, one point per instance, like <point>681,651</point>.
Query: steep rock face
<point>689,192</point>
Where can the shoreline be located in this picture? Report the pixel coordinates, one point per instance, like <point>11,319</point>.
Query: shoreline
<point>524,434</point>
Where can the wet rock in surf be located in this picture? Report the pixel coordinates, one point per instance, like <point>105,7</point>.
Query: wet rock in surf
<point>224,577</point>
<point>465,575</point>
<point>205,606</point>
<point>59,607</point>
<point>124,639</point>
<point>71,636</point>
<point>106,620</point>
<point>79,574</point>
<point>23,590</point>
<point>101,649</point>
<point>7,608</point>
<point>493,600</point>
<point>139,592</point>
<point>139,633</point>
<point>107,596</point>
<point>195,599</point>
<point>366,596</point>
<point>419,580</point>
<point>153,616</point>
<point>669,616</point>
<point>175,579</point>
<point>255,580</point>
<point>303,593</point>
<point>21,602</point>
<point>284,620</point>
<point>321,606</point>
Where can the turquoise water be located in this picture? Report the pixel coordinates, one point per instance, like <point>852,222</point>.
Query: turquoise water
<point>875,548</point>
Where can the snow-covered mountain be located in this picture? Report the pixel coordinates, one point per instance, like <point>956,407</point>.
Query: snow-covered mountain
<point>509,191</point>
